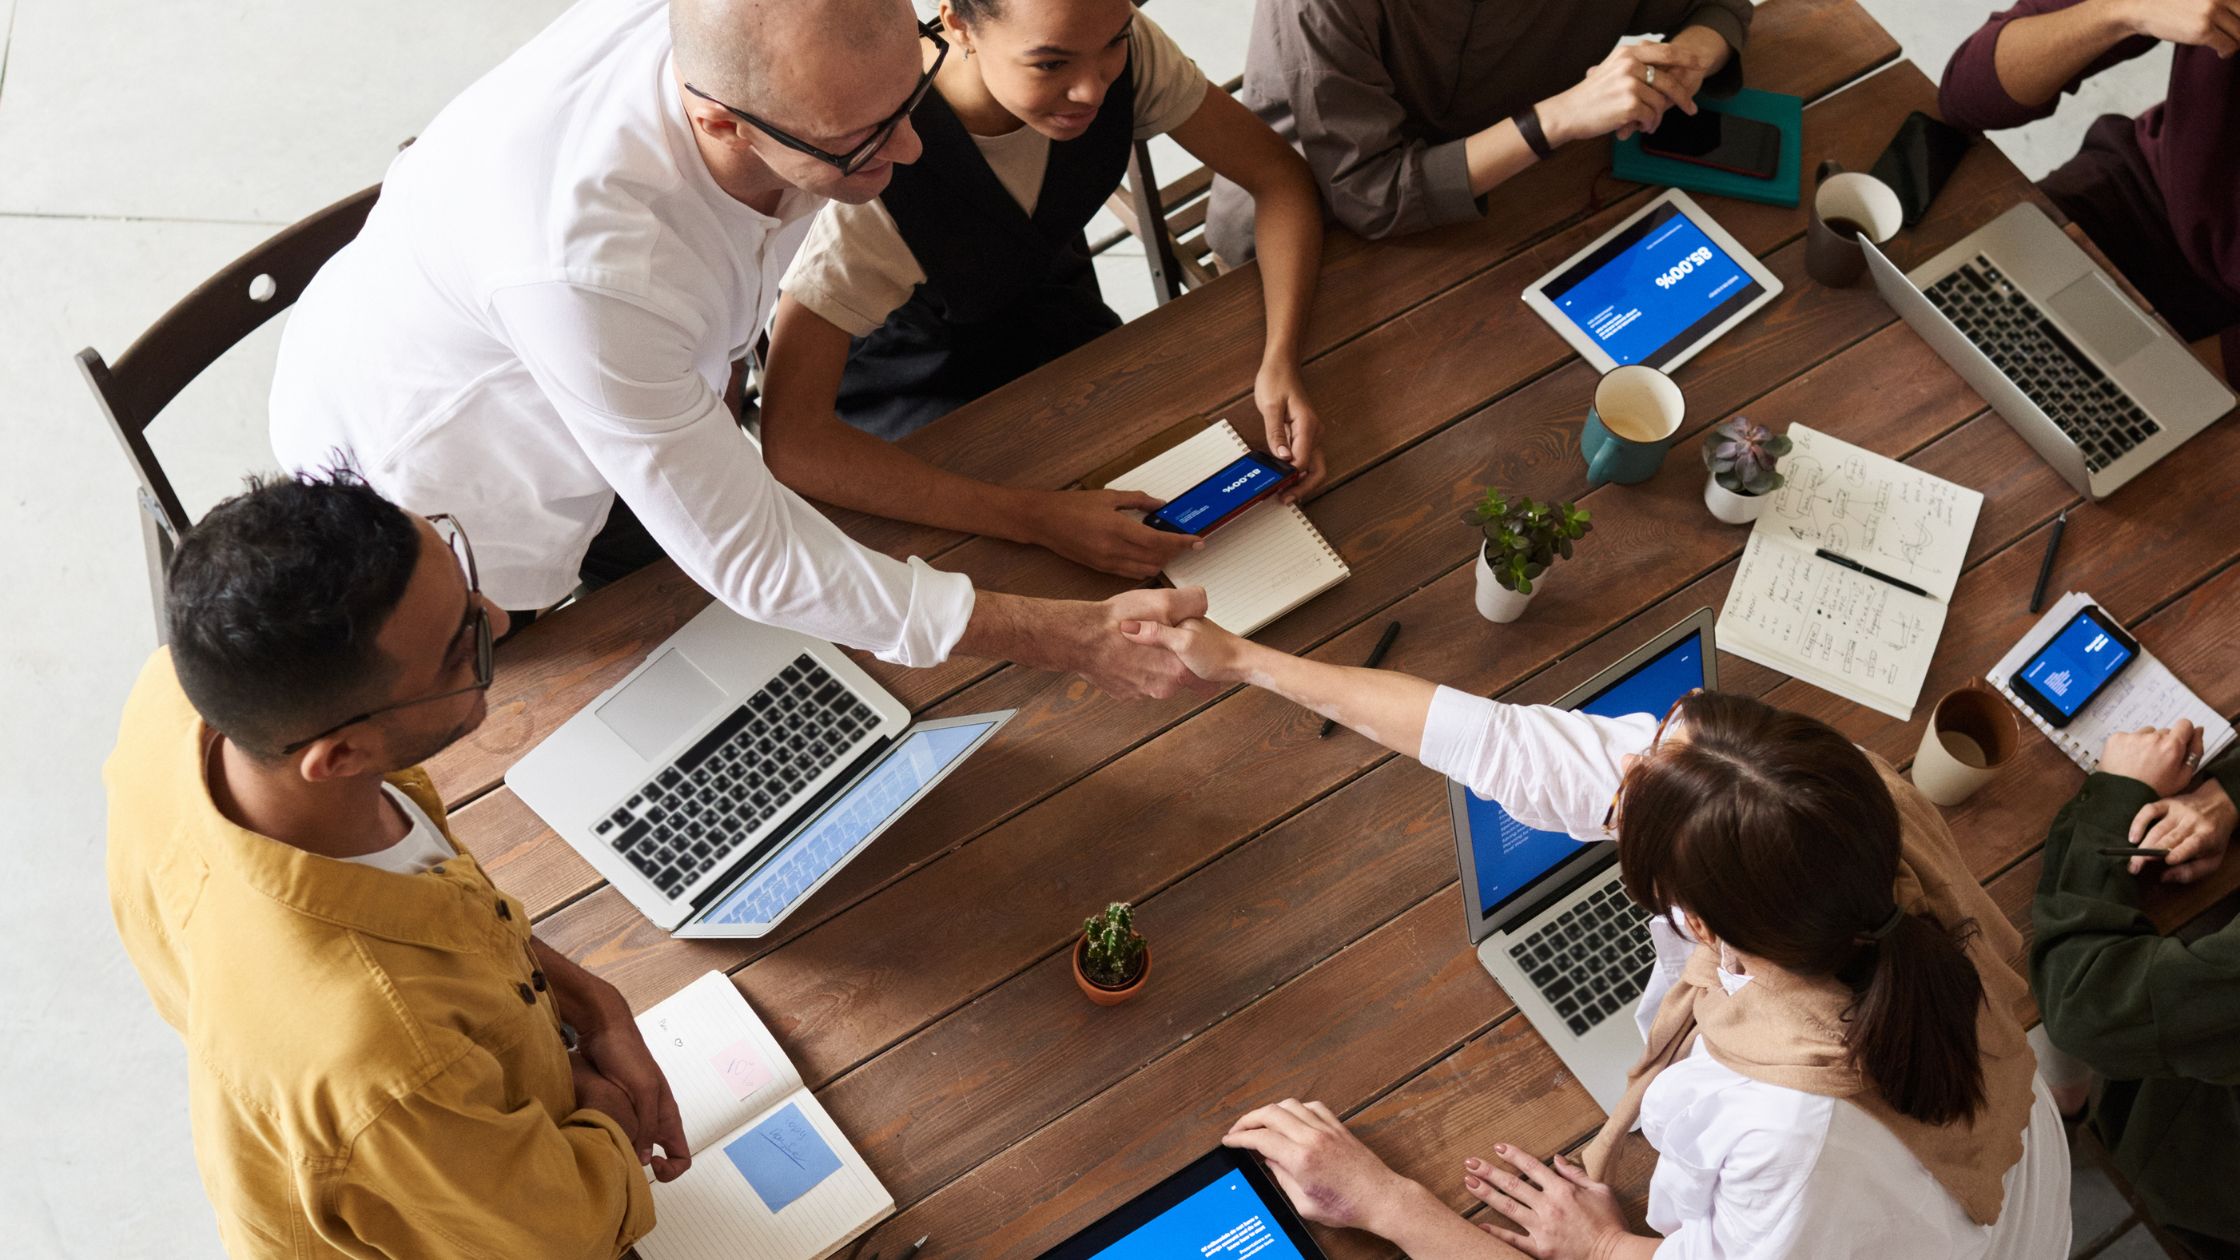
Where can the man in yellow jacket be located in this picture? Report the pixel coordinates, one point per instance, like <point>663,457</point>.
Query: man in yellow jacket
<point>382,1061</point>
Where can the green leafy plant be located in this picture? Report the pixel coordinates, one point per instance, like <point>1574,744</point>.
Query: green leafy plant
<point>1523,538</point>
<point>1742,455</point>
<point>1112,955</point>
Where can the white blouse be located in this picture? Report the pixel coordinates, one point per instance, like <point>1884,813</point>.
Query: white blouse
<point>1745,1170</point>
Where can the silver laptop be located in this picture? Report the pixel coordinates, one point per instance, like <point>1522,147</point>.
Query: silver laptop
<point>1548,914</point>
<point>738,769</point>
<point>2094,384</point>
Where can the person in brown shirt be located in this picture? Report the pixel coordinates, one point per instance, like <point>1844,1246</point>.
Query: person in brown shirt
<point>1410,111</point>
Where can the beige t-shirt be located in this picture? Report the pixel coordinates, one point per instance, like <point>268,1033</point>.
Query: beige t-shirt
<point>855,270</point>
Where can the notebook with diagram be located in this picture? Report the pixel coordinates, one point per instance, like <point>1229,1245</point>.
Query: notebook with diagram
<point>772,1177</point>
<point>1255,569</point>
<point>2146,694</point>
<point>1834,627</point>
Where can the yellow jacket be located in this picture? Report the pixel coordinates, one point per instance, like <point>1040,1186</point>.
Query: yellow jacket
<point>374,1066</point>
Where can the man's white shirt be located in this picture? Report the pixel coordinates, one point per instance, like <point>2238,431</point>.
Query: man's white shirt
<point>543,311</point>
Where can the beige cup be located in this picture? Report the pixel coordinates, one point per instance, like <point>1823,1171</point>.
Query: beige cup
<point>1971,734</point>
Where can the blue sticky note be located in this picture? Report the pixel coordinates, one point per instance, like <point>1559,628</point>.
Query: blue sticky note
<point>783,1158</point>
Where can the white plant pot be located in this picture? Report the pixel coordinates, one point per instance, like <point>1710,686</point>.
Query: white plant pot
<point>1734,509</point>
<point>1495,601</point>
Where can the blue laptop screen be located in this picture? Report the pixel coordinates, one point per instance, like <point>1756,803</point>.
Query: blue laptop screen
<point>921,757</point>
<point>1508,855</point>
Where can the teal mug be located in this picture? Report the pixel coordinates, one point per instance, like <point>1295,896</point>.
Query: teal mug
<point>1635,418</point>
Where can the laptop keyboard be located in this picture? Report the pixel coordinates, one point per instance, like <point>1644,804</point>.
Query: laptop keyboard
<point>2095,414</point>
<point>1592,960</point>
<point>749,766</point>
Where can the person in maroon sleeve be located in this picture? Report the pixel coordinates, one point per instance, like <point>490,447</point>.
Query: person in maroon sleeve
<point>2158,193</point>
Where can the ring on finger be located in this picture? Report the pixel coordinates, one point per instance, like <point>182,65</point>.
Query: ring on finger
<point>2192,760</point>
<point>1649,75</point>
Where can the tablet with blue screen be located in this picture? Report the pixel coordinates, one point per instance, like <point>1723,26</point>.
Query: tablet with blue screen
<point>1655,290</point>
<point>1221,1207</point>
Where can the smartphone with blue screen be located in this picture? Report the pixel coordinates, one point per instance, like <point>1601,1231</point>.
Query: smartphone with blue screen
<point>2076,664</point>
<point>1221,498</point>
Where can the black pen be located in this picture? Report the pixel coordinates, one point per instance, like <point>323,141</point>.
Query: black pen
<point>1391,632</point>
<point>2152,855</point>
<point>2045,566</point>
<point>910,1250</point>
<point>1857,567</point>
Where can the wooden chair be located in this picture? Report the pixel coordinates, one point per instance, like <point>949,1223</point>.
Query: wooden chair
<point>189,338</point>
<point>1170,220</point>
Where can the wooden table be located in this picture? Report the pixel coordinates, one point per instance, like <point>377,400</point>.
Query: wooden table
<point>1300,893</point>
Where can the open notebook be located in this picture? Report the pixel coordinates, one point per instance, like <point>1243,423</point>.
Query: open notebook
<point>771,1178</point>
<point>1833,627</point>
<point>1256,568</point>
<point>2146,694</point>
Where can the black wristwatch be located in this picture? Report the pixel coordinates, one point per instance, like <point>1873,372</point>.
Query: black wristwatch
<point>1528,126</point>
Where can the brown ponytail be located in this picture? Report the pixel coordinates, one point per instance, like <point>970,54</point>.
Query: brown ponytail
<point>1778,833</point>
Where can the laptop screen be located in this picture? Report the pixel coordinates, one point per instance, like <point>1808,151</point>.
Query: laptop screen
<point>1509,856</point>
<point>923,756</point>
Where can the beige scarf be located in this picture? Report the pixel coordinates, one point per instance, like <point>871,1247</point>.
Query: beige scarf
<point>1788,1030</point>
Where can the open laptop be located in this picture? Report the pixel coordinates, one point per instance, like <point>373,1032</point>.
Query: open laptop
<point>2094,384</point>
<point>735,771</point>
<point>1548,914</point>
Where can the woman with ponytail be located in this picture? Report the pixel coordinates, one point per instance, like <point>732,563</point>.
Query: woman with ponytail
<point>1835,1065</point>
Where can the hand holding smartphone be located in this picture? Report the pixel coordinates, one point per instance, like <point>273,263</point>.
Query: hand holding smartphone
<point>1720,141</point>
<point>1224,496</point>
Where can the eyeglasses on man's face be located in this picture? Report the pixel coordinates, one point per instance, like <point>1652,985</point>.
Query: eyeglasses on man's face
<point>856,158</point>
<point>475,623</point>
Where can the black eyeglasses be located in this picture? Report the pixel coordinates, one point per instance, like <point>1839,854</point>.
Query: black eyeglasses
<point>854,159</point>
<point>477,620</point>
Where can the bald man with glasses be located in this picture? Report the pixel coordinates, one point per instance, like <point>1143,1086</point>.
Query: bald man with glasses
<point>540,326</point>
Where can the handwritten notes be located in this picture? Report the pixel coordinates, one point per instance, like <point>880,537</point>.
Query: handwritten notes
<point>1836,628</point>
<point>783,1158</point>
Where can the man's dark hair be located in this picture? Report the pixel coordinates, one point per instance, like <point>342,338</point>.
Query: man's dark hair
<point>275,599</point>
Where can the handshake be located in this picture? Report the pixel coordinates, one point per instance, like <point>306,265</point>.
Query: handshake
<point>1142,644</point>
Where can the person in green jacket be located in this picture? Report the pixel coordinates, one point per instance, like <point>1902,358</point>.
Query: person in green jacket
<point>2158,1017</point>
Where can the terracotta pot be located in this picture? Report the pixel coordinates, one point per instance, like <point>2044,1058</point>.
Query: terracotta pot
<point>1495,601</point>
<point>1734,509</point>
<point>1098,993</point>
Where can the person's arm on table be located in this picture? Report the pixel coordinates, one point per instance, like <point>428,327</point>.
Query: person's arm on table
<point>2014,70</point>
<point>661,437</point>
<point>1240,148</point>
<point>461,1170</point>
<point>816,453</point>
<point>2112,991</point>
<point>609,1044</point>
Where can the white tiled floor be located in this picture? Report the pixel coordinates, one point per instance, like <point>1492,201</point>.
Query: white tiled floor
<point>143,143</point>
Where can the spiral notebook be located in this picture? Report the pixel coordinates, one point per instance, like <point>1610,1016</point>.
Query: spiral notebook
<point>772,1177</point>
<point>1857,636</point>
<point>1255,569</point>
<point>2146,694</point>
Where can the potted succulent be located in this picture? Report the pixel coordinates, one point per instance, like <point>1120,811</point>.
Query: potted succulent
<point>1519,539</point>
<point>1741,457</point>
<point>1111,961</point>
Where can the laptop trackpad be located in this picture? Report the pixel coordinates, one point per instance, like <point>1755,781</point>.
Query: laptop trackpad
<point>663,703</point>
<point>2108,325</point>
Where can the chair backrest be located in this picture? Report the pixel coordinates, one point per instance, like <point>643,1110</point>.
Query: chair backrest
<point>1169,220</point>
<point>194,334</point>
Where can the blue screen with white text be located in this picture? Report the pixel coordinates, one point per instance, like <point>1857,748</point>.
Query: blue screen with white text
<point>1507,854</point>
<point>1657,281</point>
<point>1224,1221</point>
<point>2076,664</point>
<point>1218,495</point>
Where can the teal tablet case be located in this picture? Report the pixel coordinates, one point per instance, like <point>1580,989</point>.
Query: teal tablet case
<point>1628,161</point>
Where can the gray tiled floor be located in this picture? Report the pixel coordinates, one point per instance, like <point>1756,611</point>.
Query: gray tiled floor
<point>143,143</point>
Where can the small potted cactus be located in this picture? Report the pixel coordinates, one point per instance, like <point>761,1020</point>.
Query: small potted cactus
<point>1518,541</point>
<point>1741,457</point>
<point>1111,961</point>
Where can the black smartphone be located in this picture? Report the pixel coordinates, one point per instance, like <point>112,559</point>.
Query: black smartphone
<point>1218,499</point>
<point>1722,142</point>
<point>2076,664</point>
<point>1921,157</point>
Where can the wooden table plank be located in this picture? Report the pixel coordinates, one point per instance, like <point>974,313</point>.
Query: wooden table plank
<point>1806,322</point>
<point>552,669</point>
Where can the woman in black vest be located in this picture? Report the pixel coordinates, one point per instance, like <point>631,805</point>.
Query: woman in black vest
<point>971,269</point>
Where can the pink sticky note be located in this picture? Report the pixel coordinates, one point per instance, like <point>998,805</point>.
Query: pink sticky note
<point>741,1068</point>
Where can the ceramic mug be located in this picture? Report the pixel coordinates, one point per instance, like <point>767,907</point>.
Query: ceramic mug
<point>1972,733</point>
<point>1845,207</point>
<point>1635,417</point>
